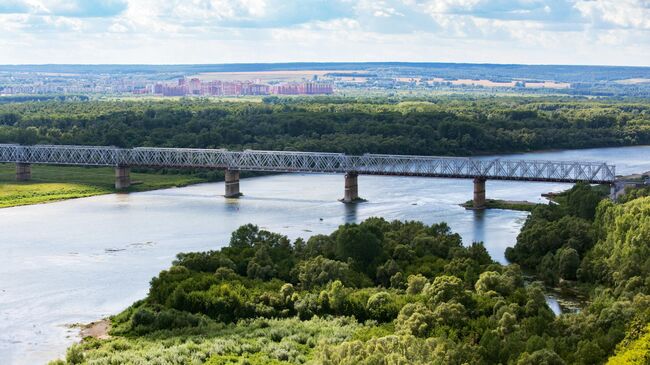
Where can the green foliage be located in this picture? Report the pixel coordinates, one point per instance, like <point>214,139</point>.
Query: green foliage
<point>582,200</point>
<point>444,288</point>
<point>396,349</point>
<point>623,249</point>
<point>568,262</point>
<point>610,257</point>
<point>416,284</point>
<point>540,357</point>
<point>636,352</point>
<point>360,244</point>
<point>438,126</point>
<point>556,237</point>
<point>265,300</point>
<point>319,271</point>
<point>259,341</point>
<point>415,319</point>
<point>382,307</point>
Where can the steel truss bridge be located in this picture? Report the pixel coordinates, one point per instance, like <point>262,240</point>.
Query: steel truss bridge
<point>312,162</point>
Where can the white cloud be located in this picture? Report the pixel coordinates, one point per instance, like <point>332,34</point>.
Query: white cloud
<point>617,13</point>
<point>185,31</point>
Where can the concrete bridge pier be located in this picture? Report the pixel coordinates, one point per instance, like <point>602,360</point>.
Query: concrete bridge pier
<point>122,177</point>
<point>23,171</point>
<point>479,192</point>
<point>232,184</point>
<point>351,188</point>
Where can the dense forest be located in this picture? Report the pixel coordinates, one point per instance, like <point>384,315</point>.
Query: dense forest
<point>396,292</point>
<point>439,126</point>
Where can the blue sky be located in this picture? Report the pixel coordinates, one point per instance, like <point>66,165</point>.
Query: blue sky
<point>608,32</point>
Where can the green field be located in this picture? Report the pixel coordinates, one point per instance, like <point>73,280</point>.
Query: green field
<point>53,183</point>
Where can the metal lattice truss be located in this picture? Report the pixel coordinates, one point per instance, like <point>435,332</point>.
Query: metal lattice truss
<point>313,162</point>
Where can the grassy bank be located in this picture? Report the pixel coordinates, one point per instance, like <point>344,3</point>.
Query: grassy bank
<point>254,341</point>
<point>53,183</point>
<point>524,206</point>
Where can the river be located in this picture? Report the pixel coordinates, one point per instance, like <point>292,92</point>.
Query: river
<point>80,260</point>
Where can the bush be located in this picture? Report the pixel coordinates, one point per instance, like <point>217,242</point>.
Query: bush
<point>416,284</point>
<point>445,288</point>
<point>415,319</point>
<point>319,271</point>
<point>382,307</point>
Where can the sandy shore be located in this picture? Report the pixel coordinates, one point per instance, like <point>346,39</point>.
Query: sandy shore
<point>98,329</point>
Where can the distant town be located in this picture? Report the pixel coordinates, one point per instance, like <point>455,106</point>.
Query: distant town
<point>195,86</point>
<point>237,80</point>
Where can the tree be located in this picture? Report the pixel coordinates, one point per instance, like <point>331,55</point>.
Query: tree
<point>261,266</point>
<point>416,284</point>
<point>320,271</point>
<point>492,282</point>
<point>582,200</point>
<point>568,263</point>
<point>360,244</point>
<point>382,307</point>
<point>540,357</point>
<point>444,288</point>
<point>415,319</point>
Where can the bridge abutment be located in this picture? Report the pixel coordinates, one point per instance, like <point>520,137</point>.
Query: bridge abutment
<point>479,193</point>
<point>232,184</point>
<point>23,171</point>
<point>351,188</point>
<point>122,177</point>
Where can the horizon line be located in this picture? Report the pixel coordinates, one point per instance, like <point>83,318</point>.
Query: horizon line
<point>322,63</point>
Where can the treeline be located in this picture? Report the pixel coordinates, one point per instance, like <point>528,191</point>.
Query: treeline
<point>442,126</point>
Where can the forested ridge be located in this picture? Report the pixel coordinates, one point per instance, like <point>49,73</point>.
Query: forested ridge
<point>439,126</point>
<point>396,292</point>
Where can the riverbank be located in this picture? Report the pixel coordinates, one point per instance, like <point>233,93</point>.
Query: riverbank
<point>519,205</point>
<point>55,183</point>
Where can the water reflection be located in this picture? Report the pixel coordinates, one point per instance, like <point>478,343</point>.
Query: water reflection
<point>478,226</point>
<point>350,215</point>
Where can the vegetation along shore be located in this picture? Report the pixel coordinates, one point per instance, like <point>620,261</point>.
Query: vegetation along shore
<point>384,292</point>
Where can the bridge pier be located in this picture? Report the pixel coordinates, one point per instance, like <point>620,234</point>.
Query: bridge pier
<point>23,171</point>
<point>122,177</point>
<point>351,188</point>
<point>479,192</point>
<point>232,184</point>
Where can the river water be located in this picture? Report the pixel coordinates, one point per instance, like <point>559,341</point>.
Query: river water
<point>80,260</point>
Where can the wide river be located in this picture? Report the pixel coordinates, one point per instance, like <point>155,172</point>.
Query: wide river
<point>80,260</point>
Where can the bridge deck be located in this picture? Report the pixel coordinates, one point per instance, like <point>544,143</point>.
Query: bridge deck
<point>312,162</point>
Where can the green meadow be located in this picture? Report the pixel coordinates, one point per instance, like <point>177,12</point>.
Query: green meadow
<point>54,183</point>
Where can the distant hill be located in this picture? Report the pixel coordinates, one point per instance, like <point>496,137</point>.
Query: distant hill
<point>560,73</point>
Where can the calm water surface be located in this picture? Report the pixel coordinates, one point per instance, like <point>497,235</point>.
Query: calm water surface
<point>80,260</point>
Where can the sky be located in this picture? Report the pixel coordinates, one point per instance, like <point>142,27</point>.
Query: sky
<point>591,32</point>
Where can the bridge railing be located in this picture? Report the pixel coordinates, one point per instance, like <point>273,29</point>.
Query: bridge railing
<point>506,169</point>
<point>289,161</point>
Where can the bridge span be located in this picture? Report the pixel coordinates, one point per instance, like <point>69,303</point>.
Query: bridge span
<point>232,162</point>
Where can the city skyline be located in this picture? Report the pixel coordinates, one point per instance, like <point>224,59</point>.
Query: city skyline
<point>217,31</point>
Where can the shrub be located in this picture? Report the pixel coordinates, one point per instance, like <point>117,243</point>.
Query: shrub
<point>320,271</point>
<point>415,319</point>
<point>443,289</point>
<point>382,307</point>
<point>416,284</point>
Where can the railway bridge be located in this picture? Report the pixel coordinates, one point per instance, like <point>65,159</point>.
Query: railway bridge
<point>232,162</point>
